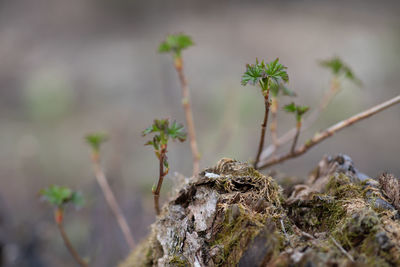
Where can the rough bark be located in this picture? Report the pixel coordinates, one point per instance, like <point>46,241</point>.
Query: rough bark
<point>231,215</point>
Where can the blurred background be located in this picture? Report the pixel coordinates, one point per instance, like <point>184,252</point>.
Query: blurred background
<point>68,68</point>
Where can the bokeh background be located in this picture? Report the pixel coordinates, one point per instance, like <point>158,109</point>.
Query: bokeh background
<point>68,68</point>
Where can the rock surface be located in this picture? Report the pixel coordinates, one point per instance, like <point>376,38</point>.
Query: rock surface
<point>231,215</point>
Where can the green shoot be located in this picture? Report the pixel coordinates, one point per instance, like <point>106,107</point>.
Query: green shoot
<point>339,71</point>
<point>95,140</point>
<point>59,197</point>
<point>174,44</point>
<point>162,131</point>
<point>267,76</point>
<point>299,111</point>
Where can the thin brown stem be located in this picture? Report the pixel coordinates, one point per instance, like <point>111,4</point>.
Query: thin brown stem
<point>263,128</point>
<point>67,242</point>
<point>310,120</point>
<point>274,121</point>
<point>156,192</point>
<point>188,114</point>
<point>111,200</point>
<point>319,137</point>
<point>296,137</point>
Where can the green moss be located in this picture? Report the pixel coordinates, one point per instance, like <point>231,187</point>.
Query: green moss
<point>322,213</point>
<point>329,212</point>
<point>357,228</point>
<point>230,236</point>
<point>178,261</point>
<point>236,233</point>
<point>340,187</point>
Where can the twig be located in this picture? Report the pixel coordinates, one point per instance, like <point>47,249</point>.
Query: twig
<point>156,192</point>
<point>263,128</point>
<point>319,137</point>
<point>67,242</point>
<point>274,121</point>
<point>111,201</point>
<point>285,138</point>
<point>342,250</point>
<point>188,114</point>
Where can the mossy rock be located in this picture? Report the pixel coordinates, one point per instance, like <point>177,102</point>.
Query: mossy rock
<point>232,215</point>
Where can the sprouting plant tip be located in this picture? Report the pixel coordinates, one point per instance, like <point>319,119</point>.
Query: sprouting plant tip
<point>266,74</point>
<point>175,43</point>
<point>60,196</point>
<point>299,111</point>
<point>339,68</point>
<point>95,140</point>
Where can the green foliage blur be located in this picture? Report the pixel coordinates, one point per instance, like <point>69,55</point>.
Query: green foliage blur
<point>299,111</point>
<point>95,140</point>
<point>60,196</point>
<point>175,43</point>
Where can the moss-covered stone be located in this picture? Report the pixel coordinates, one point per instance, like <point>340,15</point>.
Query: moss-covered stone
<point>232,215</point>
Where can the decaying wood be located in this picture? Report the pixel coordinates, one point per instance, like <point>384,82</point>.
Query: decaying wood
<point>231,215</point>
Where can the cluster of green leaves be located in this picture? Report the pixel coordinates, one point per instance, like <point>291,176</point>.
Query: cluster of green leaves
<point>296,109</point>
<point>95,140</point>
<point>59,196</point>
<point>267,75</point>
<point>175,43</point>
<point>339,68</point>
<point>163,132</point>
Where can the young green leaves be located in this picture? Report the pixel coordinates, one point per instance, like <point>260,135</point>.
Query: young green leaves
<point>163,132</point>
<point>175,43</point>
<point>254,73</point>
<point>95,140</point>
<point>268,75</point>
<point>298,110</point>
<point>59,196</point>
<point>340,69</point>
<point>175,131</point>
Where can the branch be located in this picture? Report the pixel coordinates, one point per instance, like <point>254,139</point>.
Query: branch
<point>274,121</point>
<point>67,243</point>
<point>156,192</point>
<point>319,137</point>
<point>189,115</point>
<point>111,201</point>
<point>289,135</point>
<point>263,129</point>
